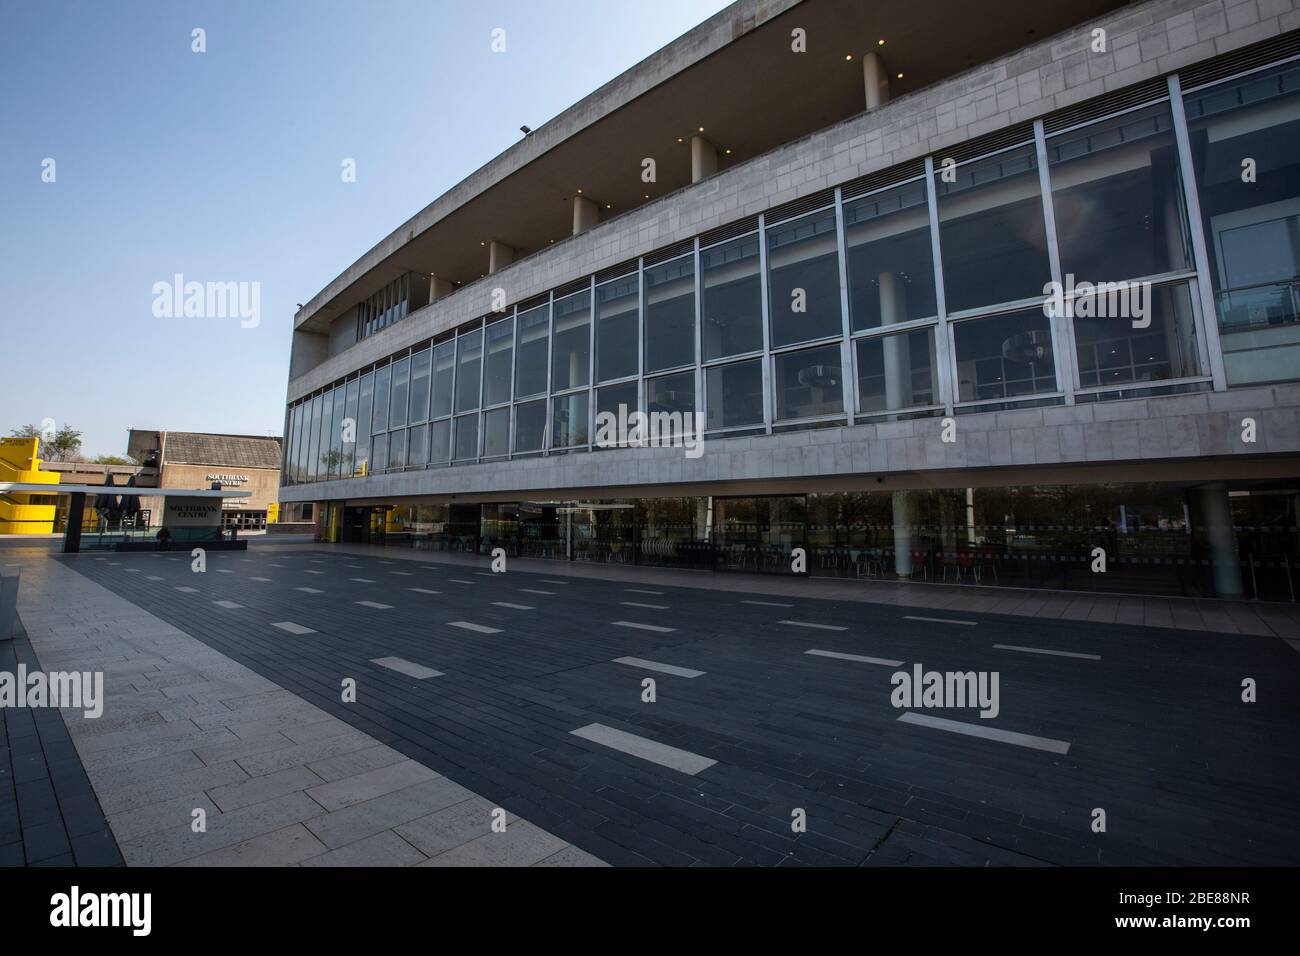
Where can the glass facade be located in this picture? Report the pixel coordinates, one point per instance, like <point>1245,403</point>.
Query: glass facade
<point>924,296</point>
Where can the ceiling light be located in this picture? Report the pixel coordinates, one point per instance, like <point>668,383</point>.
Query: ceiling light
<point>848,56</point>
<point>701,129</point>
<point>679,139</point>
<point>900,76</point>
<point>880,43</point>
<point>728,152</point>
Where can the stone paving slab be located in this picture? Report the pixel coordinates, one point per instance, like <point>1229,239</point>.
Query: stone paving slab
<point>187,729</point>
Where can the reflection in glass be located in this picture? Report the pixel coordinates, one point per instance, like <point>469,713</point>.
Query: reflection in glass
<point>530,427</point>
<point>467,437</point>
<point>496,373</point>
<point>379,421</point>
<point>1252,229</point>
<point>991,231</point>
<point>896,371</point>
<point>397,407</point>
<point>616,329</point>
<point>804,279</point>
<point>891,267</point>
<point>734,394</point>
<point>1117,197</point>
<point>469,365</point>
<point>335,454</point>
<point>396,449</point>
<point>379,454</point>
<point>530,364</point>
<point>571,355</point>
<point>444,370</point>
<point>440,442</point>
<point>416,446</point>
<point>733,299</point>
<point>420,385</point>
<point>1112,352</point>
<point>673,394</point>
<point>569,420</point>
<point>670,314</point>
<point>809,383</point>
<point>348,458</point>
<point>1004,356</point>
<point>365,409</point>
<point>496,433</point>
<point>620,401</point>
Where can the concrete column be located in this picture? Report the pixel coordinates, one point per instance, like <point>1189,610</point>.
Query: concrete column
<point>499,256</point>
<point>902,535</point>
<point>1216,518</point>
<point>586,213</point>
<point>897,358</point>
<point>875,80</point>
<point>704,158</point>
<point>438,288</point>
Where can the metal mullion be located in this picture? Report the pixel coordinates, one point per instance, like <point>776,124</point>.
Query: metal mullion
<point>946,352</point>
<point>1061,328</point>
<point>591,363</point>
<point>514,361</point>
<point>769,396</point>
<point>1209,318</point>
<point>701,409</point>
<point>550,358</point>
<point>482,375</point>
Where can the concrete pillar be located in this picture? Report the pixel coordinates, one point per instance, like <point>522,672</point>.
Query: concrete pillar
<point>875,80</point>
<point>704,158</point>
<point>902,535</point>
<point>1216,518</point>
<point>438,288</point>
<point>586,213</point>
<point>499,256</point>
<point>897,358</point>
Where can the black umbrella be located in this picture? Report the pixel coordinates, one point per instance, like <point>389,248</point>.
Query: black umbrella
<point>129,505</point>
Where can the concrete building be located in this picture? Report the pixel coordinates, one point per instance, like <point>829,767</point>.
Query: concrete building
<point>860,244</point>
<point>198,460</point>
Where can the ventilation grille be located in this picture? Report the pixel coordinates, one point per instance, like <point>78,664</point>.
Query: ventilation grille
<point>879,180</point>
<point>729,232</point>
<point>534,302</point>
<point>672,252</point>
<point>577,286</point>
<point>1280,47</point>
<point>613,272</point>
<point>1105,105</point>
<point>1011,136</point>
<point>800,206</point>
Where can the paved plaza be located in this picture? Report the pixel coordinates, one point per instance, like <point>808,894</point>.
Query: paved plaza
<point>525,692</point>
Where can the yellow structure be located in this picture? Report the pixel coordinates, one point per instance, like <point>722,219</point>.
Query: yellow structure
<point>25,513</point>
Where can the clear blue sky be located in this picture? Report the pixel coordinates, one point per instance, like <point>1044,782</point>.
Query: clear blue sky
<point>225,167</point>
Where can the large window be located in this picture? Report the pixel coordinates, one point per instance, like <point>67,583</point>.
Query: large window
<point>670,314</point>
<point>620,401</point>
<point>733,298</point>
<point>530,363</point>
<point>417,451</point>
<point>1117,197</point>
<point>401,382</point>
<point>530,427</point>
<point>734,395</point>
<point>569,420</point>
<point>1252,223</point>
<point>496,371</point>
<point>365,407</point>
<point>616,329</point>
<point>467,437</point>
<point>673,395</point>
<point>335,453</point>
<point>496,433</point>
<point>804,279</point>
<point>571,355</point>
<point>896,371</point>
<point>347,462</point>
<point>420,385</point>
<point>809,383</point>
<point>890,263</point>
<point>1161,345</point>
<point>991,230</point>
<point>440,442</point>
<point>444,370</point>
<point>379,420</point>
<point>469,366</point>
<point>1004,356</point>
<point>397,449</point>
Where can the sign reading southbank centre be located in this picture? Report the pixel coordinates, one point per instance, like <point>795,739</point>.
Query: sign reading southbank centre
<point>192,513</point>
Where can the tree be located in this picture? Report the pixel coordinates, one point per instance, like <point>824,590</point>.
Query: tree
<point>61,445</point>
<point>114,460</point>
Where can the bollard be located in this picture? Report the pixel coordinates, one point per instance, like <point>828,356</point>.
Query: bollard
<point>9,576</point>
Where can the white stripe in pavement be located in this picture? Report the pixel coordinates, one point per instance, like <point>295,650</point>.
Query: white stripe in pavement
<point>515,607</point>
<point>468,626</point>
<point>362,580</point>
<point>310,571</point>
<point>137,570</point>
<point>1043,650</point>
<point>186,590</point>
<point>487,574</point>
<point>820,627</point>
<point>405,574</point>
<point>376,605</point>
<point>646,749</point>
<point>409,668</point>
<point>153,577</point>
<point>229,604</point>
<point>767,603</point>
<point>937,620</point>
<point>259,579</point>
<point>639,591</point>
<point>855,657</point>
<point>274,565</point>
<point>653,607</point>
<point>423,591</point>
<point>293,628</point>
<point>645,627</point>
<point>224,571</point>
<point>459,581</point>
<point>646,665</point>
<point>310,590</point>
<point>989,733</point>
<point>534,591</point>
<point>545,581</point>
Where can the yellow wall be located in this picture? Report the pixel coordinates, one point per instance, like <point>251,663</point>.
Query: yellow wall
<point>18,463</point>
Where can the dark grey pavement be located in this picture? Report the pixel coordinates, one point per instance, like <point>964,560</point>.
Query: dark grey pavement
<point>1158,735</point>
